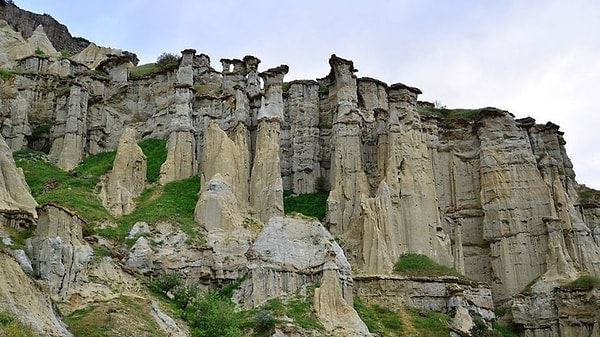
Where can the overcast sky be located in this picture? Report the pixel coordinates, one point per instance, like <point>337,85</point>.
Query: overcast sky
<point>532,58</point>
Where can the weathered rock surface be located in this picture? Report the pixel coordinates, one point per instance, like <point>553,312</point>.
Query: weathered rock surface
<point>560,312</point>
<point>127,179</point>
<point>288,255</point>
<point>442,294</point>
<point>22,297</point>
<point>58,253</point>
<point>14,192</point>
<point>337,316</point>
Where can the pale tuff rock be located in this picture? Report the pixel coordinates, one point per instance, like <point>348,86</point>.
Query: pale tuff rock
<point>266,185</point>
<point>302,168</point>
<point>348,178</point>
<point>116,66</point>
<point>93,55</point>
<point>566,313</point>
<point>462,323</point>
<point>181,162</point>
<point>336,315</point>
<point>69,132</point>
<point>141,257</point>
<point>227,156</point>
<point>127,179</point>
<point>442,294</point>
<point>513,216</point>
<point>14,191</point>
<point>58,253</point>
<point>38,41</point>
<point>22,297</point>
<point>289,254</point>
<point>14,47</point>
<point>229,232</point>
<point>16,127</point>
<point>185,72</point>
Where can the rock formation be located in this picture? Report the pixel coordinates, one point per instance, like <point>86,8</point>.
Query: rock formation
<point>492,196</point>
<point>127,179</point>
<point>14,192</point>
<point>290,254</point>
<point>58,253</point>
<point>21,296</point>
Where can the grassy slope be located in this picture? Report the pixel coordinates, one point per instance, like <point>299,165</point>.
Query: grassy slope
<point>310,204</point>
<point>76,190</point>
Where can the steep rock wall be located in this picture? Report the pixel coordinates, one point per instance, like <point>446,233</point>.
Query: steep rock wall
<point>474,193</point>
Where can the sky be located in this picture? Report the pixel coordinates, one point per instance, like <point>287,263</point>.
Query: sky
<point>538,58</point>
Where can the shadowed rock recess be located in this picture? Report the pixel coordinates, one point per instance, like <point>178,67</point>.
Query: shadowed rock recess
<point>491,200</point>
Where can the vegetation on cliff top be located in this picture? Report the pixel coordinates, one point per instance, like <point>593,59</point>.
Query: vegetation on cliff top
<point>588,195</point>
<point>584,282</point>
<point>447,114</point>
<point>411,264</point>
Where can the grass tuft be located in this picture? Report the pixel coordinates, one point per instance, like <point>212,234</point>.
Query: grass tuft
<point>411,264</point>
<point>310,204</point>
<point>584,282</point>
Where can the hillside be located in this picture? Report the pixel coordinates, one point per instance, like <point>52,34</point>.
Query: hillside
<point>234,202</point>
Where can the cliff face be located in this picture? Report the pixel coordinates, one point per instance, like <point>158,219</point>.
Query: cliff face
<point>490,195</point>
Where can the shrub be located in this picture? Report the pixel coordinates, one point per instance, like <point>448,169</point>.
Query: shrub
<point>39,52</point>
<point>210,315</point>
<point>167,61</point>
<point>264,320</point>
<point>166,282</point>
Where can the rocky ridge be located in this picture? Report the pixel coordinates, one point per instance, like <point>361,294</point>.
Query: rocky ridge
<point>492,196</point>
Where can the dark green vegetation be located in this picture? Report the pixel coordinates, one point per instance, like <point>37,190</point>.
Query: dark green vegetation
<point>5,74</point>
<point>405,322</point>
<point>219,316</point>
<point>310,204</point>
<point>584,282</point>
<point>449,114</point>
<point>411,264</point>
<point>588,195</point>
<point>76,190</point>
<point>10,327</point>
<point>165,62</point>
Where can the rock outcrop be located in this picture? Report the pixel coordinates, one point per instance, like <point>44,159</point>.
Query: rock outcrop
<point>288,255</point>
<point>127,179</point>
<point>58,253</point>
<point>21,297</point>
<point>14,192</point>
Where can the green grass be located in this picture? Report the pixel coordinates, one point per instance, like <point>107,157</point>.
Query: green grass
<point>310,204</point>
<point>174,202</point>
<point>144,70</point>
<point>156,154</point>
<point>113,318</point>
<point>5,74</point>
<point>584,282</point>
<point>41,129</point>
<point>48,183</point>
<point>411,264</point>
<point>450,114</point>
<point>11,327</point>
<point>299,308</point>
<point>430,323</point>
<point>378,319</point>
<point>588,195</point>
